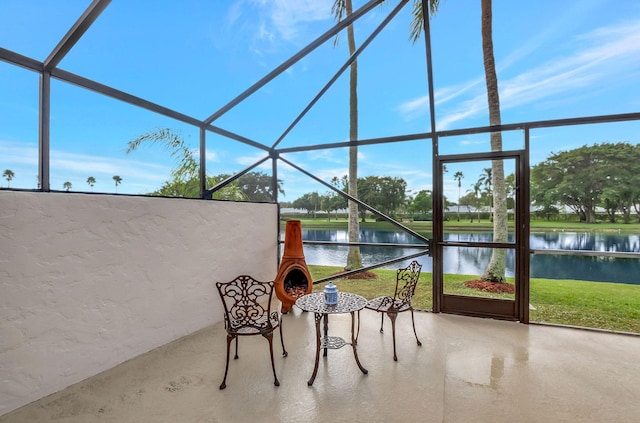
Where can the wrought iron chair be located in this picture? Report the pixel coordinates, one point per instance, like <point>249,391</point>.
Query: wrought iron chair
<point>244,300</point>
<point>406,281</point>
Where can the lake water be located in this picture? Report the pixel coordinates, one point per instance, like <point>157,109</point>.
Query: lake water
<point>472,260</point>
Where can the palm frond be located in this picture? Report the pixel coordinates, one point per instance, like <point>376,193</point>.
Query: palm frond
<point>417,23</point>
<point>187,164</point>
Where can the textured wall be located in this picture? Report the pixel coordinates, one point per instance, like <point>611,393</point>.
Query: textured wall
<point>89,281</point>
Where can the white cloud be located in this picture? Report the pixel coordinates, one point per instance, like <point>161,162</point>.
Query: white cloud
<point>335,155</point>
<point>83,164</point>
<point>613,51</point>
<point>418,107</point>
<point>469,142</point>
<point>64,162</point>
<point>273,20</point>
<point>469,109</point>
<point>22,158</point>
<point>211,156</point>
<point>601,57</point>
<point>328,174</point>
<point>253,158</point>
<point>234,13</point>
<point>269,23</point>
<point>412,109</point>
<point>287,16</point>
<point>19,153</point>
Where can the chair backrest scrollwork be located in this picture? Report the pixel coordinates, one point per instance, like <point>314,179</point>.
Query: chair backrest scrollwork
<point>406,281</point>
<point>243,300</point>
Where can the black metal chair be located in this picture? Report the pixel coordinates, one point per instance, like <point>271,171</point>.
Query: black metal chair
<point>406,281</point>
<point>244,300</point>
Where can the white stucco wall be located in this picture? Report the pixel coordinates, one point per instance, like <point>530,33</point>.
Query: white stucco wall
<point>90,281</point>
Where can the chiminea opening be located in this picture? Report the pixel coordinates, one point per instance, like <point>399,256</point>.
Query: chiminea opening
<point>296,283</point>
<point>293,279</point>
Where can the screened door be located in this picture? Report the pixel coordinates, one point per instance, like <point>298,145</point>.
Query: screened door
<point>481,236</point>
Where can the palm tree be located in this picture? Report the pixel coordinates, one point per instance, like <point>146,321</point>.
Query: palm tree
<point>91,181</point>
<point>342,9</point>
<point>486,180</point>
<point>118,181</point>
<point>458,176</point>
<point>417,23</point>
<point>8,175</point>
<point>496,268</point>
<point>188,166</point>
<point>510,187</point>
<point>67,186</point>
<point>495,271</point>
<point>476,191</point>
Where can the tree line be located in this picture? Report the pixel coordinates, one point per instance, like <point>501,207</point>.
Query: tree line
<point>601,177</point>
<point>384,193</point>
<point>387,194</point>
<point>252,186</point>
<point>91,181</point>
<point>605,176</point>
<point>8,174</point>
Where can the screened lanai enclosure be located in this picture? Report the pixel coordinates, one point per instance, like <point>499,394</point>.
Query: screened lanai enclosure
<point>142,143</point>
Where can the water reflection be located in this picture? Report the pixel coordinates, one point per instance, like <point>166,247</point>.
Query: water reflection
<point>588,241</point>
<point>472,261</point>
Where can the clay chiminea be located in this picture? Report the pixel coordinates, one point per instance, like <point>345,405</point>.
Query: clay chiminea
<point>293,279</point>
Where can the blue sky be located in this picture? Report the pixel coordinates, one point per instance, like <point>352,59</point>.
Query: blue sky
<point>555,60</point>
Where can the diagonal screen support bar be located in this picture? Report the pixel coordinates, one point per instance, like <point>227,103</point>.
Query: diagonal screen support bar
<point>341,275</point>
<point>344,67</point>
<point>75,33</point>
<point>295,58</point>
<point>360,203</point>
<point>208,194</point>
<point>145,104</point>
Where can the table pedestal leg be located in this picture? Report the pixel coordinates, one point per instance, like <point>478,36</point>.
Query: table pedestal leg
<point>354,342</point>
<point>326,331</point>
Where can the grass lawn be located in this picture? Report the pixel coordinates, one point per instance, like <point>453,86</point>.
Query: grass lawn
<point>601,305</point>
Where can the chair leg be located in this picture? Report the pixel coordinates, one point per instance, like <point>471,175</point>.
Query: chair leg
<point>236,356</point>
<point>413,322</point>
<point>226,367</point>
<point>269,337</point>
<point>381,322</point>
<point>284,351</point>
<point>392,316</point>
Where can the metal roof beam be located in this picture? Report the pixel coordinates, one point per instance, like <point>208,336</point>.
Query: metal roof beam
<point>75,33</point>
<point>295,58</point>
<point>340,71</point>
<point>20,60</point>
<point>145,104</point>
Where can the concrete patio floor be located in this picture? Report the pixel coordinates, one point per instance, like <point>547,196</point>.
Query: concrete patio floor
<point>467,370</point>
